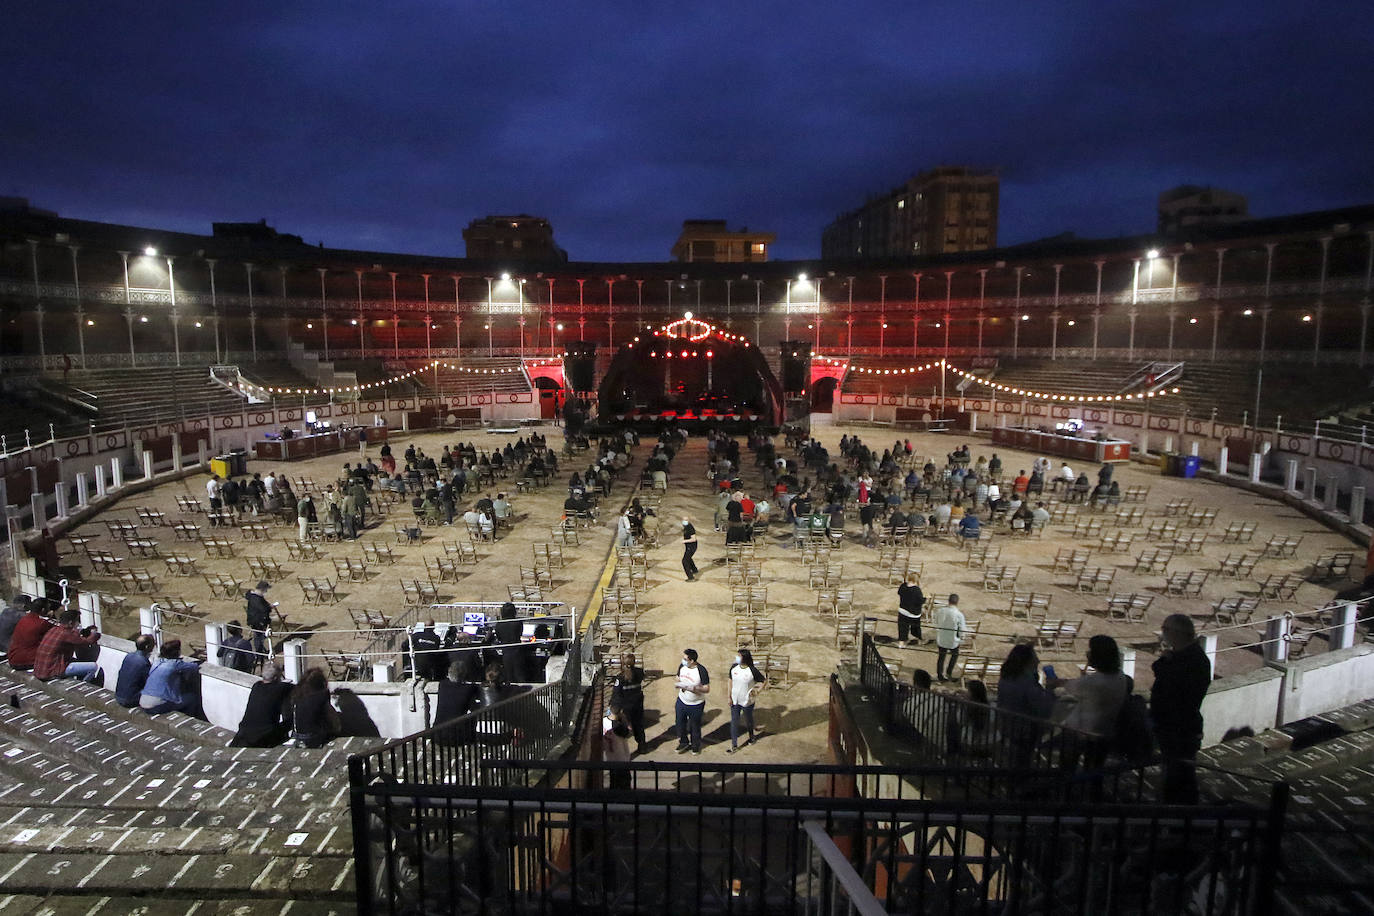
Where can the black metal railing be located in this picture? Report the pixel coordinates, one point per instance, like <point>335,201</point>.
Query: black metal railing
<point>705,838</point>
<point>947,729</point>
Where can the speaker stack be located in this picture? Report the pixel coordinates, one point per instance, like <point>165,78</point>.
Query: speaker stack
<point>796,366</point>
<point>579,365</point>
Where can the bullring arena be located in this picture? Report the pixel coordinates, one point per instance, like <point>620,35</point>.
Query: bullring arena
<point>1224,383</point>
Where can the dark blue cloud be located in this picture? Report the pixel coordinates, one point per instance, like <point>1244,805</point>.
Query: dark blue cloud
<point>391,126</point>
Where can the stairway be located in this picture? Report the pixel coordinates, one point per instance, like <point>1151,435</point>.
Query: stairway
<point>157,812</point>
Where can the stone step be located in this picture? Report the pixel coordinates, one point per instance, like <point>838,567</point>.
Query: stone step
<point>43,779</point>
<point>20,837</point>
<point>177,875</point>
<point>92,905</point>
<point>102,742</point>
<point>174,724</point>
<point>82,753</point>
<point>75,810</point>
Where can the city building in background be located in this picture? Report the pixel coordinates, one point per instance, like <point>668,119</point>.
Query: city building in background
<point>513,238</point>
<point>940,211</point>
<point>710,240</point>
<point>1189,205</point>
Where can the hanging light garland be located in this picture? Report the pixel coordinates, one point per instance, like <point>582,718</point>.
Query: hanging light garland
<point>692,330</point>
<point>1011,389</point>
<point>275,390</point>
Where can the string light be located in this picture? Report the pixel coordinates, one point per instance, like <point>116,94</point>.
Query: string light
<point>1011,389</point>
<point>368,386</point>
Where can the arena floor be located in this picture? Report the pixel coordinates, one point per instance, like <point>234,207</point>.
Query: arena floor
<point>675,614</point>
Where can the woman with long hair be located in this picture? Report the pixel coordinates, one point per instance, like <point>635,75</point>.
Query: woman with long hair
<point>745,683</point>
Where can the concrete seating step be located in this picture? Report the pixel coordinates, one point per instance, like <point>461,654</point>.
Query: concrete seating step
<point>74,809</point>
<point>89,905</point>
<point>104,753</point>
<point>21,837</point>
<point>47,780</point>
<point>177,875</point>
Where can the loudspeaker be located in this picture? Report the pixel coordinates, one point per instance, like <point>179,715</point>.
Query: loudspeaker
<point>579,365</point>
<point>796,365</point>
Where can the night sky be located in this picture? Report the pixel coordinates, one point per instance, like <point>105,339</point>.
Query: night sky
<point>391,125</point>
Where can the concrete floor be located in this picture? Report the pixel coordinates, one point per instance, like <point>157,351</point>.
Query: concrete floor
<point>676,614</point>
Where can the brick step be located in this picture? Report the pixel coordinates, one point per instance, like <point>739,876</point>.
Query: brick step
<point>103,755</point>
<point>74,809</point>
<point>82,905</point>
<point>44,779</point>
<point>333,843</point>
<point>173,724</point>
<point>178,875</point>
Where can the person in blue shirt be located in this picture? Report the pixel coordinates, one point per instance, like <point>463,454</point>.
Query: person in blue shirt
<point>173,684</point>
<point>133,672</point>
<point>970,527</point>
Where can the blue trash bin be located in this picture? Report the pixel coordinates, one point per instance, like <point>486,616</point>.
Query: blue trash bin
<point>1188,465</point>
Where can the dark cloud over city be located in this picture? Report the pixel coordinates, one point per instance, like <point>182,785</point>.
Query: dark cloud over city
<point>390,126</point>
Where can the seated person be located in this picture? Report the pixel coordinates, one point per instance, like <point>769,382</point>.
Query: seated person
<point>1023,518</point>
<point>54,659</point>
<point>133,671</point>
<point>1040,514</point>
<point>265,722</point>
<point>236,650</point>
<point>896,519</point>
<point>173,684</point>
<point>970,527</point>
<point>313,717</point>
<point>500,507</point>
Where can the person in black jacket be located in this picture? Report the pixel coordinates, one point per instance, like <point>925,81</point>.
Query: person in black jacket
<point>266,721</point>
<point>258,613</point>
<point>235,651</point>
<point>910,601</point>
<point>1182,676</point>
<point>314,719</point>
<point>514,654</point>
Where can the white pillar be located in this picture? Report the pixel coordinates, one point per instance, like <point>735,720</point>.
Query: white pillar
<point>1128,662</point>
<point>1342,633</point>
<point>293,660</point>
<point>116,474</point>
<point>99,480</point>
<point>1256,464</point>
<point>1192,449</point>
<point>89,605</point>
<point>1209,648</point>
<point>214,636</point>
<point>202,458</point>
<point>38,506</point>
<point>147,465</point>
<point>150,621</point>
<point>1276,635</point>
<point>176,451</point>
<point>382,673</point>
<point>1329,497</point>
<point>1168,443</point>
<point>1223,461</point>
<point>60,497</point>
<point>1290,476</point>
<point>1310,489</point>
<point>1357,506</point>
<point>83,490</point>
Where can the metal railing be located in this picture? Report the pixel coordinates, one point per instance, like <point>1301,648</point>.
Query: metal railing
<point>944,729</point>
<point>788,839</point>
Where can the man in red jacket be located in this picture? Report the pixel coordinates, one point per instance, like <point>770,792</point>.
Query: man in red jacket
<point>28,633</point>
<point>54,657</point>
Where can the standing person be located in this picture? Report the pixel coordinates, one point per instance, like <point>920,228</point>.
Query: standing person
<point>212,492</point>
<point>1020,694</point>
<point>627,692</point>
<point>910,602</point>
<point>258,613</point>
<point>54,657</point>
<point>949,632</point>
<point>693,683</point>
<point>689,548</point>
<point>1182,676</point>
<point>624,532</point>
<point>615,745</point>
<point>305,515</point>
<point>745,683</point>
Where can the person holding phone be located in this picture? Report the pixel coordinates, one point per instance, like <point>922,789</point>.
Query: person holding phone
<point>693,683</point>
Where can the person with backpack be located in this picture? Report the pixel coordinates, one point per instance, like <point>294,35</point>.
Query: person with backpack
<point>236,650</point>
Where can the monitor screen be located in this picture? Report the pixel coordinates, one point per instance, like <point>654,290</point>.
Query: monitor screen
<point>470,629</point>
<point>474,617</point>
<point>311,416</point>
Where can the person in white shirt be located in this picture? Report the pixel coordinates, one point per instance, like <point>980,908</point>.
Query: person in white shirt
<point>949,633</point>
<point>1065,477</point>
<point>745,683</point>
<point>693,683</point>
<point>212,490</point>
<point>623,536</point>
<point>269,484</point>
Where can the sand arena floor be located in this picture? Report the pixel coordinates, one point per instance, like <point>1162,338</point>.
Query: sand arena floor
<point>675,613</point>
